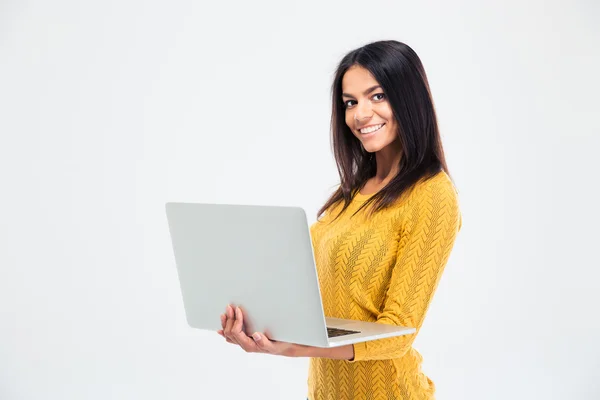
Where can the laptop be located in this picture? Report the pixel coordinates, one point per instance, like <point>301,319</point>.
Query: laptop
<point>259,258</point>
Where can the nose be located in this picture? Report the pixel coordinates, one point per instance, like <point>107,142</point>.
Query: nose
<point>363,111</point>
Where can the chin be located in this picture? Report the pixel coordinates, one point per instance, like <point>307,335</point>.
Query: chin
<point>372,148</point>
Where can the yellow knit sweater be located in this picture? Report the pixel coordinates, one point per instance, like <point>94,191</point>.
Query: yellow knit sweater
<point>384,270</point>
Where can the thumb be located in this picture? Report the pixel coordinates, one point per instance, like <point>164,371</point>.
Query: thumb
<point>259,340</point>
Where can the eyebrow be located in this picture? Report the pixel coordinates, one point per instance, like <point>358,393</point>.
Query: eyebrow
<point>369,90</point>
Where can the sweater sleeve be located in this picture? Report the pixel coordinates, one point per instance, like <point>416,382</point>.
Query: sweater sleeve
<point>426,241</point>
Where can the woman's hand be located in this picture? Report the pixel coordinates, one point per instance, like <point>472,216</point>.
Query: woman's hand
<point>233,332</point>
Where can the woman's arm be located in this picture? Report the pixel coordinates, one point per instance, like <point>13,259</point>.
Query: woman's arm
<point>424,249</point>
<point>233,320</point>
<point>425,245</point>
<point>337,353</point>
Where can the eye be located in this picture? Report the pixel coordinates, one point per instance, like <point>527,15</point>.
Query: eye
<point>375,96</point>
<point>346,105</point>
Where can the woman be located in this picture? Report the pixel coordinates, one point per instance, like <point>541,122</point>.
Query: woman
<point>387,232</point>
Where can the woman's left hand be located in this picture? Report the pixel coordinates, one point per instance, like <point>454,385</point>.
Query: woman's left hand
<point>233,332</point>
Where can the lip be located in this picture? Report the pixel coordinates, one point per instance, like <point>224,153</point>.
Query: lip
<point>366,136</point>
<point>368,126</point>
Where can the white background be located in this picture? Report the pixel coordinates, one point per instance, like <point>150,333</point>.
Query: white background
<point>109,109</point>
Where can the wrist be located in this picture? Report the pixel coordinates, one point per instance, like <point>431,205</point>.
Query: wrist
<point>299,350</point>
<point>337,353</point>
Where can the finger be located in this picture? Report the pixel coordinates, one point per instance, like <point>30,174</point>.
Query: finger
<point>239,322</point>
<point>239,335</point>
<point>220,332</point>
<point>223,321</point>
<point>229,324</point>
<point>263,343</point>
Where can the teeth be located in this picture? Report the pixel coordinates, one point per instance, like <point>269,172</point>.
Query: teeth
<point>371,129</point>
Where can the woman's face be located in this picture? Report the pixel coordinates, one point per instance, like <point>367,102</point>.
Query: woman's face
<point>368,112</point>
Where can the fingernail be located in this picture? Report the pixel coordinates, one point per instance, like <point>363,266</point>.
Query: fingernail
<point>256,336</point>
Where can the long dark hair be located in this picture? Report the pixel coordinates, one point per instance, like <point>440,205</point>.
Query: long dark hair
<point>399,71</point>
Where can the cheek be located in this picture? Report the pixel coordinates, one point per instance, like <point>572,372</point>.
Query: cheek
<point>388,114</point>
<point>389,117</point>
<point>349,122</point>
<point>393,131</point>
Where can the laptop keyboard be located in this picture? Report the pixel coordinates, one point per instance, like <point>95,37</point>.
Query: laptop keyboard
<point>335,332</point>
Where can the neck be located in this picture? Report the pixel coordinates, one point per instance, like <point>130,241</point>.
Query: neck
<point>388,161</point>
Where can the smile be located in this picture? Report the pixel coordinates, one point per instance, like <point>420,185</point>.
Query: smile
<point>371,129</point>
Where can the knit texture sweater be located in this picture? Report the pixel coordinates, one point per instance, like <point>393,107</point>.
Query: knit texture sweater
<point>383,269</point>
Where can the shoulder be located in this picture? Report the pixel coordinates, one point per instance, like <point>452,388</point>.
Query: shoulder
<point>436,199</point>
<point>438,188</point>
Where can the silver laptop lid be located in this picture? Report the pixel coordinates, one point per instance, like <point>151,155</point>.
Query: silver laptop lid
<point>257,257</point>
